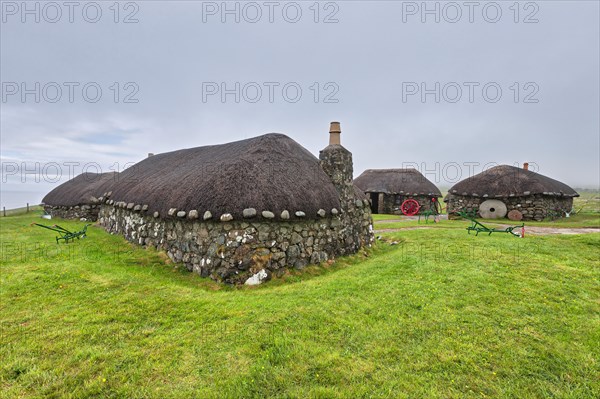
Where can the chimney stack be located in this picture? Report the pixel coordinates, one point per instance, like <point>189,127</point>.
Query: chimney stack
<point>336,161</point>
<point>526,166</point>
<point>334,133</point>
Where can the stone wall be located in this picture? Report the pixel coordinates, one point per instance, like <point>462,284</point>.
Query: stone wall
<point>391,205</point>
<point>87,212</point>
<point>533,207</point>
<point>236,250</point>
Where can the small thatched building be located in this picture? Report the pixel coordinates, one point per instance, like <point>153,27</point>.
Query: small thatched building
<point>80,197</point>
<point>387,189</point>
<point>511,191</point>
<point>240,211</point>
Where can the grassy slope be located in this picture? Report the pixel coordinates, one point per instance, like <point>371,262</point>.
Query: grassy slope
<point>442,314</point>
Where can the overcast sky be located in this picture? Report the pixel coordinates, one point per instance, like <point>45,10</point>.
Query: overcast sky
<point>456,85</point>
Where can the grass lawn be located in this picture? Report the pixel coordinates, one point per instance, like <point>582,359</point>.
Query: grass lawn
<point>581,220</point>
<point>439,315</point>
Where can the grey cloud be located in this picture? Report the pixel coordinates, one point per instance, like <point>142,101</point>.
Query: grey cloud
<point>370,55</point>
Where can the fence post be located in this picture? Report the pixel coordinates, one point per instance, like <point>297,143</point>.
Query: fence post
<point>28,207</point>
<point>4,211</point>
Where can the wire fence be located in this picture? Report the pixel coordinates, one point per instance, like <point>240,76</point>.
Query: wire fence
<point>17,211</point>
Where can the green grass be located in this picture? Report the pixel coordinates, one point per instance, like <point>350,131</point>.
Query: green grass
<point>35,209</point>
<point>581,220</point>
<point>588,201</point>
<point>439,315</point>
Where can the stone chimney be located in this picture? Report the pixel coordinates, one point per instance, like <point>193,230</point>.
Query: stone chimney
<point>336,161</point>
<point>526,166</point>
<point>354,212</point>
<point>334,133</point>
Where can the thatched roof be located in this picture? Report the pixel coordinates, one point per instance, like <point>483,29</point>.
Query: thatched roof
<point>268,173</point>
<point>507,181</point>
<point>396,181</point>
<point>84,189</point>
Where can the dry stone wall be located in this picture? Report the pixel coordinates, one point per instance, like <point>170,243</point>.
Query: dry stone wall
<point>237,251</point>
<point>533,207</point>
<point>87,212</point>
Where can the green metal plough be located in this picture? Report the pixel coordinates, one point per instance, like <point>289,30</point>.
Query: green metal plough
<point>478,227</point>
<point>435,211</point>
<point>65,234</point>
<point>427,214</point>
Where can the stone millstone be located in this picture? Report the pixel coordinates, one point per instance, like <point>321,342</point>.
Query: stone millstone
<point>492,209</point>
<point>515,215</point>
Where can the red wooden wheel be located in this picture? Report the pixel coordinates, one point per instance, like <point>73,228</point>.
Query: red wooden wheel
<point>410,207</point>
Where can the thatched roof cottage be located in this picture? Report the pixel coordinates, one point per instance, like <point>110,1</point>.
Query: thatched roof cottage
<point>387,189</point>
<point>509,191</point>
<point>240,211</point>
<point>79,198</point>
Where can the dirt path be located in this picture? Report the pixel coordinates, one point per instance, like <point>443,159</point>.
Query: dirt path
<point>401,229</point>
<point>556,230</point>
<point>528,230</point>
<point>409,218</point>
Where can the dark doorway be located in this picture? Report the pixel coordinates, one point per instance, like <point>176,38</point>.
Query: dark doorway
<point>374,202</point>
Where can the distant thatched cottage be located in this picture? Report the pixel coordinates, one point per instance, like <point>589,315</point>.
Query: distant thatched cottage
<point>506,190</point>
<point>240,211</point>
<point>78,198</point>
<point>387,189</point>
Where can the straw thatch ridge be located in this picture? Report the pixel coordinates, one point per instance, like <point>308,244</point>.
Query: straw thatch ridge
<point>507,181</point>
<point>268,173</point>
<point>84,189</point>
<point>396,181</point>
